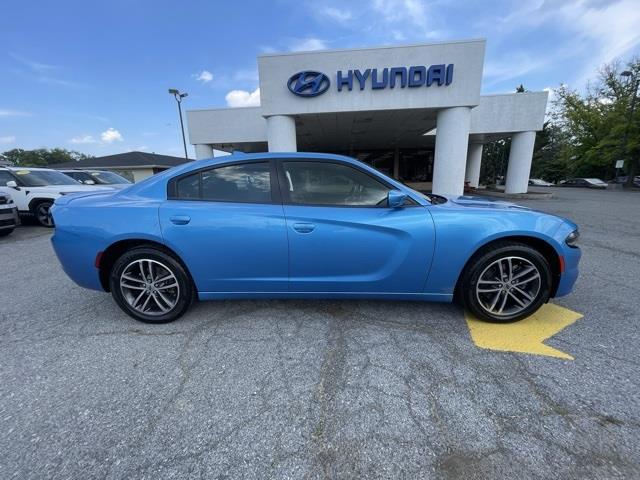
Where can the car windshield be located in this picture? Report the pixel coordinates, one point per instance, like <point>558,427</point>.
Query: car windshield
<point>42,178</point>
<point>594,180</point>
<point>108,178</point>
<point>80,176</point>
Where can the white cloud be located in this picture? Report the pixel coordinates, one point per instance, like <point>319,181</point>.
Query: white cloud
<point>308,44</point>
<point>513,65</point>
<point>82,140</point>
<point>33,65</point>
<point>13,113</point>
<point>340,16</point>
<point>205,76</point>
<point>7,140</point>
<point>403,12</point>
<point>242,98</point>
<point>111,135</point>
<point>598,32</point>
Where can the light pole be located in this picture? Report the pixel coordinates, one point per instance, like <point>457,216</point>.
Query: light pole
<point>179,96</point>
<point>632,80</point>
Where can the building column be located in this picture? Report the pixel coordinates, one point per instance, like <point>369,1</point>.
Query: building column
<point>203,150</point>
<point>396,164</point>
<point>452,137</point>
<point>519,166</point>
<point>281,133</point>
<point>474,159</point>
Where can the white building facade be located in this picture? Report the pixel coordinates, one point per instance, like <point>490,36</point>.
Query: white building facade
<point>414,112</point>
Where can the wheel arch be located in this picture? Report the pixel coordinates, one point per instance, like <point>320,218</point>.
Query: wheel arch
<point>116,249</point>
<point>34,202</point>
<point>543,246</point>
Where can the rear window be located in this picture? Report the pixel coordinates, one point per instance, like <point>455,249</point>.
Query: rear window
<point>242,183</point>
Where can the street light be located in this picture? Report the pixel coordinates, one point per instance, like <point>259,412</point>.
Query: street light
<point>632,81</point>
<point>179,96</point>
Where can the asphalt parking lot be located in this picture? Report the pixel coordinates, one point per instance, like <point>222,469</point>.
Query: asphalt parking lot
<point>320,389</point>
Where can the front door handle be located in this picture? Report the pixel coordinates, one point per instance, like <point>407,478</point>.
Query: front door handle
<point>304,227</point>
<point>180,219</point>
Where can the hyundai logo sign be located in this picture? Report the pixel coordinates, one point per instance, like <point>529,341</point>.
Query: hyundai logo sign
<point>311,83</point>
<point>308,83</point>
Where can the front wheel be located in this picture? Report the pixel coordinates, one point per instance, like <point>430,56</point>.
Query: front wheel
<point>151,286</point>
<point>5,232</point>
<point>42,214</point>
<point>507,282</point>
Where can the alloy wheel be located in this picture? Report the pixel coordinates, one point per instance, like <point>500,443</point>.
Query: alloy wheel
<point>508,286</point>
<point>43,215</point>
<point>149,287</point>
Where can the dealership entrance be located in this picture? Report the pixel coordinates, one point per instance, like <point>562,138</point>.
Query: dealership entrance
<point>413,112</point>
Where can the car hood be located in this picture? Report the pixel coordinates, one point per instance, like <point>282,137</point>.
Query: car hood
<point>484,202</point>
<point>498,205</point>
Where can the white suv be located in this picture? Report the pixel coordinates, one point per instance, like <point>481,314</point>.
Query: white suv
<point>35,189</point>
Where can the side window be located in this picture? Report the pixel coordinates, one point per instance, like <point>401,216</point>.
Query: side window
<point>189,187</point>
<point>244,183</point>
<point>5,177</point>
<point>324,183</point>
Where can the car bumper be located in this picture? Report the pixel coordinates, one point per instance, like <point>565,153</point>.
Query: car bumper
<point>569,276</point>
<point>8,217</point>
<point>77,258</point>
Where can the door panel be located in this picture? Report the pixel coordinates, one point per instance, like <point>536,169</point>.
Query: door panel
<point>229,247</point>
<point>356,249</point>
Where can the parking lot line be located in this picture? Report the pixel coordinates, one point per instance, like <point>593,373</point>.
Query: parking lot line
<point>525,336</point>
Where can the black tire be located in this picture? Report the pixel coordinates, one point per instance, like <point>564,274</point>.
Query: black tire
<point>184,294</point>
<point>42,215</point>
<point>5,232</point>
<point>484,264</point>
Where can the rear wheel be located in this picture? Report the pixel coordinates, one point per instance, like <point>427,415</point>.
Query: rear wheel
<point>151,286</point>
<point>507,282</point>
<point>5,232</point>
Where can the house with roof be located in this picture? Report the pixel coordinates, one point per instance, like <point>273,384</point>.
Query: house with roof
<point>134,166</point>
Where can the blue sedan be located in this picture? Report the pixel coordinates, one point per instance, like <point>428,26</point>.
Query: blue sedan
<point>308,225</point>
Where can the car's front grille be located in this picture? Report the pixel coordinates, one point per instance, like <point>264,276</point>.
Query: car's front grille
<point>4,200</point>
<point>6,210</point>
<point>4,223</point>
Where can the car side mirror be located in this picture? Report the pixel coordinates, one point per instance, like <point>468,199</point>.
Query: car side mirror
<point>13,184</point>
<point>396,199</point>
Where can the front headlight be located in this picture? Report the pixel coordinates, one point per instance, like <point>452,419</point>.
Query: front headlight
<point>572,239</point>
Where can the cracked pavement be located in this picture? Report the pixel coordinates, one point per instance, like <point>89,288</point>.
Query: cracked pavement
<point>319,389</point>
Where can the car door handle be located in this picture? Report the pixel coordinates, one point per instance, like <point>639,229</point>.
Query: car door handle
<point>180,219</point>
<point>304,227</point>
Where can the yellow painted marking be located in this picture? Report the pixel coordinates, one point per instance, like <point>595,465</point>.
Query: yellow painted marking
<point>526,336</point>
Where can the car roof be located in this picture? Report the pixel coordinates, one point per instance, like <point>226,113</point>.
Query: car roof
<point>26,168</point>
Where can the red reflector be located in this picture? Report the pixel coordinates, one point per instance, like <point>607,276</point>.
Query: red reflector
<point>98,259</point>
<point>561,258</point>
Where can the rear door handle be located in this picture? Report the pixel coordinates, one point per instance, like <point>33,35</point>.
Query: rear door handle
<point>180,219</point>
<point>304,227</point>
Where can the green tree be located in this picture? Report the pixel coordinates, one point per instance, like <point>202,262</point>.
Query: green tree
<point>40,157</point>
<point>549,160</point>
<point>595,124</point>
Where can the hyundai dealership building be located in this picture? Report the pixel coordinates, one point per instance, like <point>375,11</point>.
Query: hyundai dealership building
<point>414,112</point>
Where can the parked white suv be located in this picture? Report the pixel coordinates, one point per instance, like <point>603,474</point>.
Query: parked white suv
<point>35,189</point>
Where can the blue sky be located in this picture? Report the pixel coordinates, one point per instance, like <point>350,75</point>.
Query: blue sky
<point>93,76</point>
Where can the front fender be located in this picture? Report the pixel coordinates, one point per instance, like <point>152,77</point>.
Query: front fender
<point>460,233</point>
